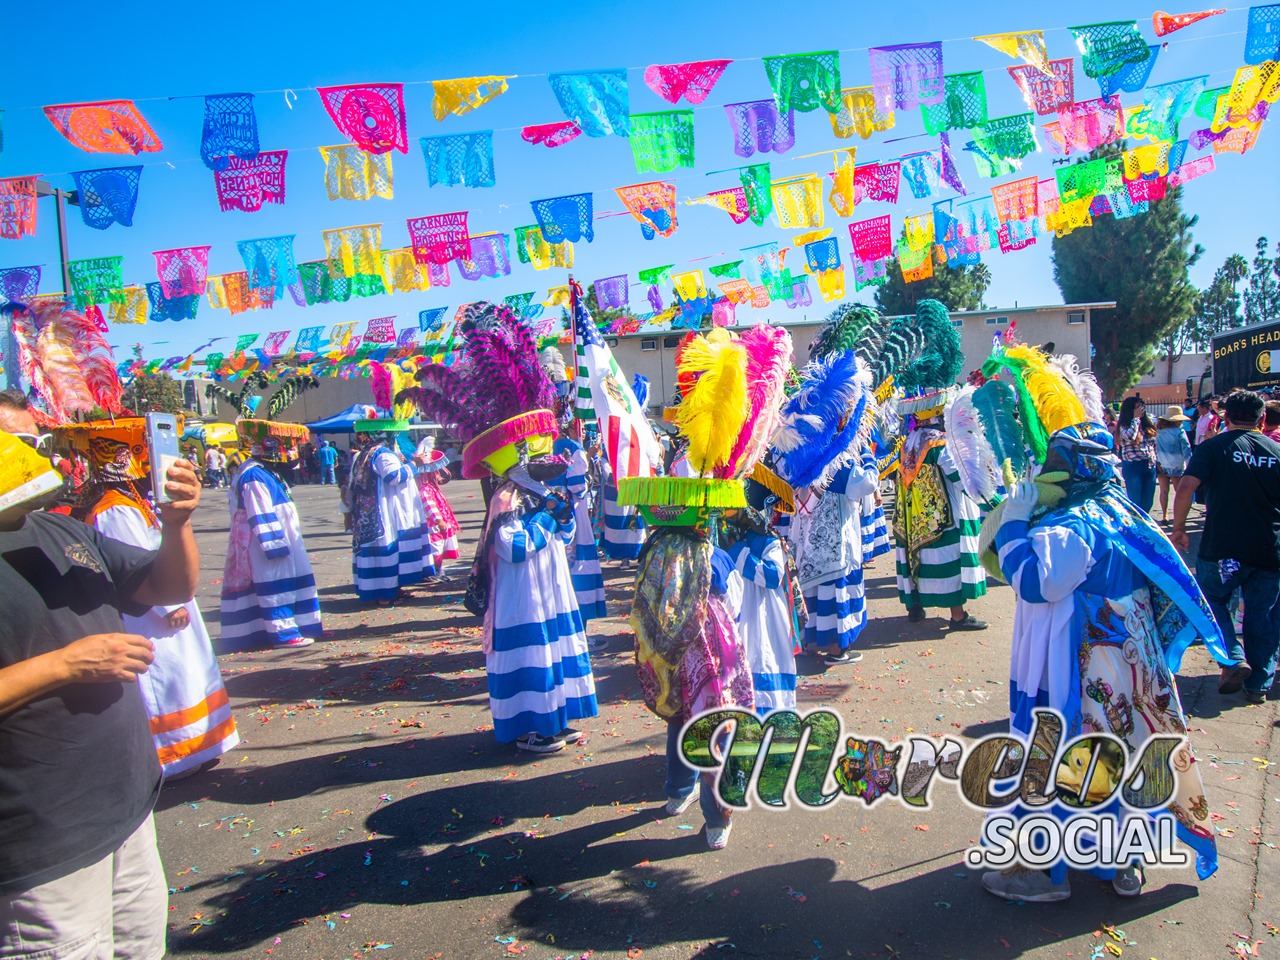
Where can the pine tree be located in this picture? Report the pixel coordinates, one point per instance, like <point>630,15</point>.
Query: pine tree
<point>958,288</point>
<point>1141,263</point>
<point>1262,298</point>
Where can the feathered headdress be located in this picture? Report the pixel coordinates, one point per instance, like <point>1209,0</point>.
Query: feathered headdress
<point>819,425</point>
<point>1083,384</point>
<point>921,352</point>
<point>500,378</point>
<point>845,329</point>
<point>768,352</point>
<point>552,361</point>
<point>970,450</point>
<point>61,355</point>
<point>715,407</point>
<point>1046,402</point>
<point>996,404</point>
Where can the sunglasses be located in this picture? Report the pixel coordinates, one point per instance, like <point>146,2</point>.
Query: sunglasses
<point>41,443</point>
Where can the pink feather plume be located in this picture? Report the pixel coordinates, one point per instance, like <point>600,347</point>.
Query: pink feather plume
<point>768,358</point>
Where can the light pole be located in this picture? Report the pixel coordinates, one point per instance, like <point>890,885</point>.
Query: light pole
<point>60,200</point>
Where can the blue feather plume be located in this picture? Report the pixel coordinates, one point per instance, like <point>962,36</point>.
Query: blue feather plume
<point>997,405</point>
<point>820,423</point>
<point>640,387</point>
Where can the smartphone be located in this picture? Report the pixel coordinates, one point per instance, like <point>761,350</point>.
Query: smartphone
<point>163,448</point>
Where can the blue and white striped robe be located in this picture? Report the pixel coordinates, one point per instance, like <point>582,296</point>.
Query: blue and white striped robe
<point>1084,632</point>
<point>764,620</point>
<point>875,530</point>
<point>584,562</point>
<point>827,535</point>
<point>277,603</point>
<point>536,648</point>
<point>401,556</point>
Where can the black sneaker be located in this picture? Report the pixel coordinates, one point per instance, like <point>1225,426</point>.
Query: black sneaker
<point>536,744</point>
<point>915,614</point>
<point>1255,697</point>
<point>569,735</point>
<point>1232,679</point>
<point>970,622</point>
<point>848,656</point>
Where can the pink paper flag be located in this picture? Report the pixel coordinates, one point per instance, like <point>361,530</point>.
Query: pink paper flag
<point>555,134</point>
<point>439,238</point>
<point>872,239</point>
<point>693,81</point>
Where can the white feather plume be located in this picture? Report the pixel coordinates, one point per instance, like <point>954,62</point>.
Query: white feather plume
<point>1083,384</point>
<point>970,451</point>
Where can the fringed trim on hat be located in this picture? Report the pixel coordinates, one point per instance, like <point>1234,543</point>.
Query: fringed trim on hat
<point>775,485</point>
<point>532,424</point>
<point>380,426</point>
<point>258,429</point>
<point>708,492</point>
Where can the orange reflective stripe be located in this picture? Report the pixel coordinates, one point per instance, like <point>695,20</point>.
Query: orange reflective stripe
<point>182,718</point>
<point>176,751</point>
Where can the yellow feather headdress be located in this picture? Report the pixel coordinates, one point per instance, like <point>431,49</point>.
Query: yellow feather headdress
<point>715,408</point>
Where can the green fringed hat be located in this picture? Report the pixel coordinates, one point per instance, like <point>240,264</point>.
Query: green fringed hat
<point>380,426</point>
<point>680,501</point>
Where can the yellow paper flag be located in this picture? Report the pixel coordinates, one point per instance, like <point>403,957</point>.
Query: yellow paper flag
<point>1027,45</point>
<point>462,96</point>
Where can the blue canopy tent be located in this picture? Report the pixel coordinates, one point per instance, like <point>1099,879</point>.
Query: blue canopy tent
<point>343,422</point>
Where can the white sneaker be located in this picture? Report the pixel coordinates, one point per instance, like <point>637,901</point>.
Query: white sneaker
<point>1025,886</point>
<point>675,807</point>
<point>536,744</point>
<point>718,837</point>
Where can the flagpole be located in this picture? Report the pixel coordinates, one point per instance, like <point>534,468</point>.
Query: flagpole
<point>578,431</point>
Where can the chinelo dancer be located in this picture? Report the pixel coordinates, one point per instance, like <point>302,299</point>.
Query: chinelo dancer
<point>499,401</point>
<point>935,521</point>
<point>584,561</point>
<point>186,701</point>
<point>823,455</point>
<point>431,474</point>
<point>689,652</point>
<point>1105,605</point>
<point>268,590</point>
<point>772,614</point>
<point>391,547</point>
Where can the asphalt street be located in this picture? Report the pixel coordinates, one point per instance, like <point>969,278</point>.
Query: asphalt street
<point>369,812</point>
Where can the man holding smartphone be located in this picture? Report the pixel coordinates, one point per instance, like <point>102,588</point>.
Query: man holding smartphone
<point>80,874</point>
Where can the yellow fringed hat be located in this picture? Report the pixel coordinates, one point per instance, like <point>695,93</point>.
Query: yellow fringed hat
<point>24,474</point>
<point>271,440</point>
<point>114,450</point>
<point>680,501</point>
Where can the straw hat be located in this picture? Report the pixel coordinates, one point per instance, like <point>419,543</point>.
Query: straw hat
<point>1174,413</point>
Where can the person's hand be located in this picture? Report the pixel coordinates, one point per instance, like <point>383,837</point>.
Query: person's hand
<point>1180,539</point>
<point>1021,501</point>
<point>177,619</point>
<point>107,658</point>
<point>183,488</point>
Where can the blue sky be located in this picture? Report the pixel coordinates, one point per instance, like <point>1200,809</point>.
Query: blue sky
<point>155,51</point>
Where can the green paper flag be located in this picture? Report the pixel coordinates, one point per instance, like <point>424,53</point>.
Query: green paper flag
<point>963,106</point>
<point>662,141</point>
<point>727,270</point>
<point>655,275</point>
<point>805,81</point>
<point>758,185</point>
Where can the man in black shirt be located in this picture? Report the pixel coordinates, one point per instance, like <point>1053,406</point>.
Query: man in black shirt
<point>1240,548</point>
<point>80,875</point>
